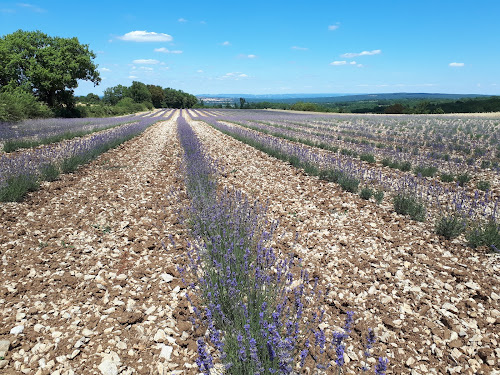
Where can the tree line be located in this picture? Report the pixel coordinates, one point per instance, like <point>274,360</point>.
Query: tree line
<point>39,73</point>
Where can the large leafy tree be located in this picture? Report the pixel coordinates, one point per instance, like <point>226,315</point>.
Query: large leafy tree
<point>112,95</point>
<point>139,92</point>
<point>49,67</point>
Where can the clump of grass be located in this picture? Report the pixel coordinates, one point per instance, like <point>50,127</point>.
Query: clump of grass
<point>408,204</point>
<point>485,234</point>
<point>450,226</point>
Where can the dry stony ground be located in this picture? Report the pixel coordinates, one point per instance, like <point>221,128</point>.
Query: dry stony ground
<point>85,285</point>
<point>434,304</point>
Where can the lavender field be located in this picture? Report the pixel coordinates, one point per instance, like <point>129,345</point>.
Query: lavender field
<point>245,242</point>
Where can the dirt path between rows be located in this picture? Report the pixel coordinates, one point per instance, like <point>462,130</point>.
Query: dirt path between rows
<point>86,286</point>
<point>433,303</point>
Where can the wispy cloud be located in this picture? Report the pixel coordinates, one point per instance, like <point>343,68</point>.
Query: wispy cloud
<point>243,56</point>
<point>343,62</point>
<point>299,48</point>
<point>350,55</point>
<point>105,70</point>
<point>334,27</point>
<point>200,71</point>
<point>456,65</point>
<point>7,11</point>
<point>226,43</point>
<point>234,76</point>
<point>182,20</point>
<point>31,7</point>
<point>165,50</point>
<point>146,61</point>
<point>133,77</point>
<point>145,36</point>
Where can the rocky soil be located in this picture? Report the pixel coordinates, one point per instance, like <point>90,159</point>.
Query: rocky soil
<point>89,281</point>
<point>86,286</point>
<point>434,304</point>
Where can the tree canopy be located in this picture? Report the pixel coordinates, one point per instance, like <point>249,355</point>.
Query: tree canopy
<point>49,67</point>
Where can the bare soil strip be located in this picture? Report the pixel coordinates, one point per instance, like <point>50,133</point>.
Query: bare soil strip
<point>433,303</point>
<point>85,284</point>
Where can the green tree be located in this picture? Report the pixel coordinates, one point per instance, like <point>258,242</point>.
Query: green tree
<point>92,99</point>
<point>112,95</point>
<point>157,95</point>
<point>49,67</point>
<point>242,102</point>
<point>139,92</point>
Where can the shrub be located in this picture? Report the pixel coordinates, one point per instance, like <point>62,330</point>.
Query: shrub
<point>404,166</point>
<point>409,204</point>
<point>350,184</point>
<point>379,196</point>
<point>366,193</point>
<point>486,234</point>
<point>331,175</point>
<point>450,226</point>
<point>386,162</point>
<point>369,158</point>
<point>49,172</point>
<point>425,171</point>
<point>17,187</point>
<point>17,104</point>
<point>446,177</point>
<point>463,178</point>
<point>484,185</point>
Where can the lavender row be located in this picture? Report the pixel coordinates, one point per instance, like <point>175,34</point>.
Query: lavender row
<point>479,205</point>
<point>449,143</point>
<point>257,321</point>
<point>37,128</point>
<point>29,164</point>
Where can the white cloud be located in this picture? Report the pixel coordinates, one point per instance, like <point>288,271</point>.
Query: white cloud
<point>343,62</point>
<point>456,65</point>
<point>133,77</point>
<point>364,53</point>
<point>200,71</point>
<point>234,76</point>
<point>182,20</point>
<point>165,50</point>
<point>300,48</point>
<point>243,56</point>
<point>31,7</point>
<point>105,70</point>
<point>333,27</point>
<point>146,68</point>
<point>145,36</point>
<point>226,43</point>
<point>146,61</point>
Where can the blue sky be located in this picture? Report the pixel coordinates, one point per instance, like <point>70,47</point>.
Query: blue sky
<point>276,47</point>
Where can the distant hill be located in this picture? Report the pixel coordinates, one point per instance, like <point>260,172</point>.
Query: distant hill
<point>373,97</point>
